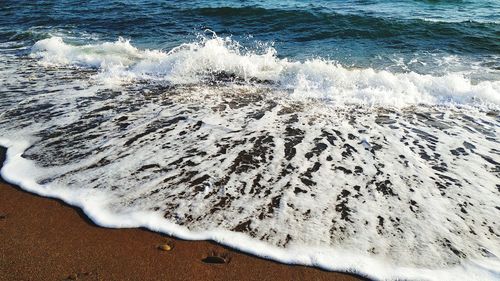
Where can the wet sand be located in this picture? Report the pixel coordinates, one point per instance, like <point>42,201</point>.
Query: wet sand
<point>45,239</point>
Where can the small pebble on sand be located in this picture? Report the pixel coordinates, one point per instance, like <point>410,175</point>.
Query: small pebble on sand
<point>165,247</point>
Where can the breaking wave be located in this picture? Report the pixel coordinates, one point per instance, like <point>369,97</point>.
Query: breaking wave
<point>222,59</point>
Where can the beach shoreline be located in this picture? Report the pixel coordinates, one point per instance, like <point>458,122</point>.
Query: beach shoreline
<point>46,239</point>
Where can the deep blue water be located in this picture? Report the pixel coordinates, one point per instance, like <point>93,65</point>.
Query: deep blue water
<point>376,33</point>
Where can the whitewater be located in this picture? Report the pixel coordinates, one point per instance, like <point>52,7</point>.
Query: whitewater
<point>191,63</point>
<point>388,174</point>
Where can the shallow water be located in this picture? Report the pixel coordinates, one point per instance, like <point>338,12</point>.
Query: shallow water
<point>353,136</point>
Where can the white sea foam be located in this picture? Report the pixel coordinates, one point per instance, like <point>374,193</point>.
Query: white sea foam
<point>407,193</point>
<point>189,63</point>
<point>99,206</point>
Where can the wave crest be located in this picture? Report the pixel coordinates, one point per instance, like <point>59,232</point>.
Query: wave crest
<point>216,57</point>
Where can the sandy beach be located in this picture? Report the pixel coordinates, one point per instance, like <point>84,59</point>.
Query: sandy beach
<point>45,239</point>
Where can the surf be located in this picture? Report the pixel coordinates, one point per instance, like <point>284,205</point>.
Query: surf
<point>391,190</point>
<point>215,57</point>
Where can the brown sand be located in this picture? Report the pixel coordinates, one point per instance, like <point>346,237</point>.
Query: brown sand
<point>45,239</point>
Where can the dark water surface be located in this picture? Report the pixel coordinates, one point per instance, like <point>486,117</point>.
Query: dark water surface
<point>361,33</point>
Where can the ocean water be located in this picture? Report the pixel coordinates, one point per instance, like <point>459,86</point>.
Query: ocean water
<point>358,136</point>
